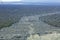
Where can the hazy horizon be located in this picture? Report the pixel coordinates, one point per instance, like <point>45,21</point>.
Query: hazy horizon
<point>41,1</point>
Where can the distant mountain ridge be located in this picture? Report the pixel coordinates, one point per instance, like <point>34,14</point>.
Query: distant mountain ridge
<point>30,3</point>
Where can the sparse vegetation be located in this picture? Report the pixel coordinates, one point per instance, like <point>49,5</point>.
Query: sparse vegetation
<point>53,20</point>
<point>10,14</point>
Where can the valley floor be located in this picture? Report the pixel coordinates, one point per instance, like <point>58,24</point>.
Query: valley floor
<point>27,28</point>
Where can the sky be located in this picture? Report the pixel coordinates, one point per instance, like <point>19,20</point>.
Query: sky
<point>41,0</point>
<point>56,1</point>
<point>9,0</point>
